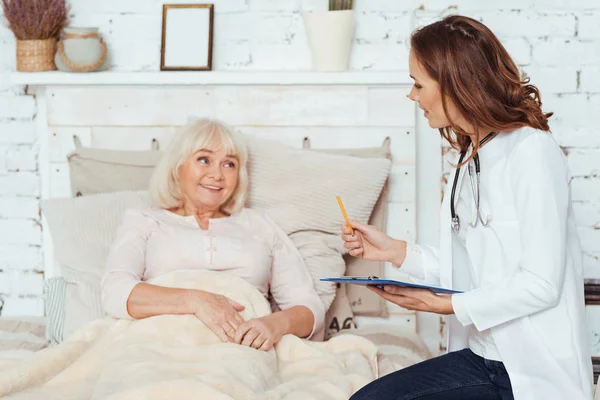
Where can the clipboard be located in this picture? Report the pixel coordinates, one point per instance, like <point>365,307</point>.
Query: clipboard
<point>375,281</point>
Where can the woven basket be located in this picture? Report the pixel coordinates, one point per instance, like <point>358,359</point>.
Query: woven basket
<point>36,55</point>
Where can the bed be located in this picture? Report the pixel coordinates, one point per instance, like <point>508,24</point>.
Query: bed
<point>393,331</point>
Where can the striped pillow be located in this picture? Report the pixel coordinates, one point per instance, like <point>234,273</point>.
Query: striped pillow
<point>70,305</point>
<point>55,290</point>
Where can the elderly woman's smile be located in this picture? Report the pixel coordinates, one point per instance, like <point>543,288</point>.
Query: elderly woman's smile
<point>212,188</point>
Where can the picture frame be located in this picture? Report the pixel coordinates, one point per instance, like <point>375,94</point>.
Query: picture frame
<point>187,37</point>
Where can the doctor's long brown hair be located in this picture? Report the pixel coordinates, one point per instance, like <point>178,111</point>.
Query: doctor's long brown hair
<point>476,73</point>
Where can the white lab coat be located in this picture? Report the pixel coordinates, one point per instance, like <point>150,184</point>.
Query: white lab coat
<point>529,259</point>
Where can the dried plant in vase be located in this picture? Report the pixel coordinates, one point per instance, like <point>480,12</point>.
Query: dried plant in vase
<point>36,25</point>
<point>340,5</point>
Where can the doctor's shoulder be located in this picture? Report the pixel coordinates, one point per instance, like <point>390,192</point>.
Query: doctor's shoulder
<point>530,148</point>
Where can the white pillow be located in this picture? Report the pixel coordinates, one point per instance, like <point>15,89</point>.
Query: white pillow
<point>297,187</point>
<point>82,230</point>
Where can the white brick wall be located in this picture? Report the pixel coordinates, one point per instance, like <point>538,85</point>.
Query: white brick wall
<point>555,41</point>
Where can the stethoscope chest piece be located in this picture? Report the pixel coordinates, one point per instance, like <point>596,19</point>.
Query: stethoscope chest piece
<point>455,225</point>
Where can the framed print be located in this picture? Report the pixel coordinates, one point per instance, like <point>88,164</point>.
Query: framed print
<point>187,35</point>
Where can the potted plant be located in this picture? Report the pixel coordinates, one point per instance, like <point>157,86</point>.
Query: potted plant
<point>330,35</point>
<point>36,25</point>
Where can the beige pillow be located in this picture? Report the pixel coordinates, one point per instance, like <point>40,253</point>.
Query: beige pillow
<point>100,170</point>
<point>363,301</point>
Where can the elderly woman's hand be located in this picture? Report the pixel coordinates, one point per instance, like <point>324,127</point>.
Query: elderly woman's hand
<point>219,313</point>
<point>262,333</point>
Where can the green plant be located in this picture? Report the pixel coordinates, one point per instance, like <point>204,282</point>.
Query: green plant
<point>338,5</point>
<point>35,19</point>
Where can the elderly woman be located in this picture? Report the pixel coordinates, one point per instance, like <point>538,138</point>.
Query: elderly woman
<point>200,188</point>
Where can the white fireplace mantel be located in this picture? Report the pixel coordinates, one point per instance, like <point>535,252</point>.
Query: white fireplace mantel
<point>158,78</point>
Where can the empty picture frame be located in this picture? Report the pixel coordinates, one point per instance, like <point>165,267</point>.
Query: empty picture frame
<point>187,35</point>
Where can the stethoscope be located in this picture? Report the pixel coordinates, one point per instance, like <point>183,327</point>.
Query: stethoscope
<point>475,179</point>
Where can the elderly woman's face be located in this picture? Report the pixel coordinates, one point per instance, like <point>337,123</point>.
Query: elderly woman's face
<point>208,178</point>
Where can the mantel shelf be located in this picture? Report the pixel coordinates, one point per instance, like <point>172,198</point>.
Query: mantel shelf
<point>160,78</point>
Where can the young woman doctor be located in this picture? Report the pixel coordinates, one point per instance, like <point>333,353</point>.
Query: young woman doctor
<point>508,239</point>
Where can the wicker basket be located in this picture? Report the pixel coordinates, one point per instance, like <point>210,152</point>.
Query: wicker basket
<point>36,55</point>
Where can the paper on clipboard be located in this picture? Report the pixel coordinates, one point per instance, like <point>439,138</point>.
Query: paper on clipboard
<point>375,281</point>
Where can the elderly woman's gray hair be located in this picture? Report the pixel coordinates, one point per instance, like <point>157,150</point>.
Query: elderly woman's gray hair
<point>196,135</point>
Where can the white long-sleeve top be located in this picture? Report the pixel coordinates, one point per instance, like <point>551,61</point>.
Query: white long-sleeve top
<point>529,290</point>
<point>153,242</point>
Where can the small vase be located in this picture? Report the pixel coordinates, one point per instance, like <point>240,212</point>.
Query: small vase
<point>81,50</point>
<point>36,55</point>
<point>330,35</point>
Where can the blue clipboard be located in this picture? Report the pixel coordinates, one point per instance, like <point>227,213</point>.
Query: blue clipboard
<point>375,281</point>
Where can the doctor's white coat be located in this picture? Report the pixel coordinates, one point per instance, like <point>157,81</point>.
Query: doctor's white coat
<point>529,259</point>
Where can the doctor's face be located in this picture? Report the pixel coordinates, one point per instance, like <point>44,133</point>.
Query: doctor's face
<point>426,92</point>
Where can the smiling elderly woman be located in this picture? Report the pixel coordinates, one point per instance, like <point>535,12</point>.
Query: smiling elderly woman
<point>200,187</point>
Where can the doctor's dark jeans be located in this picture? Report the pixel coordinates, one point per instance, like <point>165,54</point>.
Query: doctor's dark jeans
<point>457,375</point>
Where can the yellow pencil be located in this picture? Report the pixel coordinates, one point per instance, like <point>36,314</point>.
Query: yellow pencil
<point>339,200</point>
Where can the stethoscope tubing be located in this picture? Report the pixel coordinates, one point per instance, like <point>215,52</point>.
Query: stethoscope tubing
<point>455,224</point>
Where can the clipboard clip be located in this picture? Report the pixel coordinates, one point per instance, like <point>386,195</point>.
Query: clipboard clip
<point>370,278</point>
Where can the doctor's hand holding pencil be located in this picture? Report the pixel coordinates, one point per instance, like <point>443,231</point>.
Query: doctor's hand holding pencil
<point>366,241</point>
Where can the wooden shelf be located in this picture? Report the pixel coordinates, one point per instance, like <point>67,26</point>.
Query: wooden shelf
<point>159,78</point>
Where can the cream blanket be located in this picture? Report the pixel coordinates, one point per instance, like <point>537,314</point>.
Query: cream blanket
<point>177,357</point>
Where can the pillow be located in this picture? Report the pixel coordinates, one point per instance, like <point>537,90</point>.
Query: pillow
<point>101,170</point>
<point>297,188</point>
<point>82,231</point>
<point>55,292</point>
<point>363,301</point>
